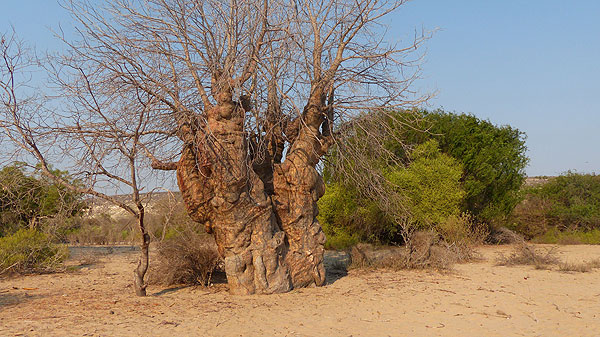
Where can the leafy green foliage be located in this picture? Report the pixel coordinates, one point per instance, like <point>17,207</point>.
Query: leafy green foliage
<point>428,191</point>
<point>28,251</point>
<point>26,199</point>
<point>431,184</point>
<point>575,200</point>
<point>555,236</point>
<point>493,159</point>
<point>347,218</point>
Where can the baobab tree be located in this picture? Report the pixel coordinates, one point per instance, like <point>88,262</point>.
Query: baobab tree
<point>248,94</point>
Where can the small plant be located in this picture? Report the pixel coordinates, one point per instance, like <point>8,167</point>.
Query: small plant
<point>579,267</point>
<point>186,258</point>
<point>525,254</point>
<point>30,251</point>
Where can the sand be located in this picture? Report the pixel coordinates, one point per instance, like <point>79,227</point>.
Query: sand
<point>475,299</point>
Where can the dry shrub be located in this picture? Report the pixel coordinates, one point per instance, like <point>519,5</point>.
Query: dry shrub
<point>186,258</point>
<point>460,234</point>
<point>525,254</point>
<point>579,267</point>
<point>503,236</point>
<point>530,216</point>
<point>424,250</point>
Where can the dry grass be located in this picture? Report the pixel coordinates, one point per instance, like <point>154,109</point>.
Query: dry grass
<point>545,259</point>
<point>579,267</point>
<point>187,258</point>
<point>528,255</point>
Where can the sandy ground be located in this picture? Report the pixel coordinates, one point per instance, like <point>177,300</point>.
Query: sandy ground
<point>476,299</point>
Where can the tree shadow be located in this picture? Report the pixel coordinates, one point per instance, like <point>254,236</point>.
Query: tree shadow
<point>218,279</point>
<point>13,299</point>
<point>336,265</point>
<point>171,290</point>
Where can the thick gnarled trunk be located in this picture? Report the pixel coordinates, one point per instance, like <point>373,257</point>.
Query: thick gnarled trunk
<point>263,217</point>
<point>222,191</point>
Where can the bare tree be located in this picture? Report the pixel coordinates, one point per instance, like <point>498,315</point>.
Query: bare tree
<point>101,148</point>
<point>248,94</point>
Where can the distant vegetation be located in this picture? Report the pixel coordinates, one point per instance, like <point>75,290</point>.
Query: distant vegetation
<point>565,209</point>
<point>28,200</point>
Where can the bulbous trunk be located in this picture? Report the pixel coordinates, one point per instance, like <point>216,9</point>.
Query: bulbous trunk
<point>264,222</point>
<point>222,191</point>
<point>298,187</point>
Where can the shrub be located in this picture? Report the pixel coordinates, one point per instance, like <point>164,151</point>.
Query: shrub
<point>29,251</point>
<point>555,236</point>
<point>347,218</point>
<point>575,201</point>
<point>530,216</point>
<point>492,157</point>
<point>431,186</point>
<point>525,254</point>
<point>435,165</point>
<point>187,258</point>
<point>423,194</point>
<point>424,250</point>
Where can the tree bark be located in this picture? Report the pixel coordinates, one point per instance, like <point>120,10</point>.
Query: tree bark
<point>298,186</point>
<point>262,215</point>
<point>142,267</point>
<point>221,190</point>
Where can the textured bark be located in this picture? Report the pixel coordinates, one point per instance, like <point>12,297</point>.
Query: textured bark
<point>142,267</point>
<point>261,212</point>
<point>298,187</point>
<point>221,190</point>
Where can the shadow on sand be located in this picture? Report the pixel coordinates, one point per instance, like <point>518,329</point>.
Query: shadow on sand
<point>336,265</point>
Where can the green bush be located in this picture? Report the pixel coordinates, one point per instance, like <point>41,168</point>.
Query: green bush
<point>347,218</point>
<point>492,157</point>
<point>575,201</point>
<point>555,236</point>
<point>425,193</point>
<point>431,185</point>
<point>28,251</point>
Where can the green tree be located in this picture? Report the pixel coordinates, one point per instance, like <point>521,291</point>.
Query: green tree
<point>493,157</point>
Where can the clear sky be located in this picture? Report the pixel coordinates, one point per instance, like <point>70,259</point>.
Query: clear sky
<point>532,64</point>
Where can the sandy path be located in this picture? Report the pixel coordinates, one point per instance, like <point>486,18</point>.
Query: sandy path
<point>477,299</point>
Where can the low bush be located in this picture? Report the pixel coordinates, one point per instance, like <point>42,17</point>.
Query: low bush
<point>186,258</point>
<point>579,267</point>
<point>30,251</point>
<point>525,254</point>
<point>424,249</point>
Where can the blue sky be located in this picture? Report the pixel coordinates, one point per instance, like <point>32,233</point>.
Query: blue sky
<point>534,65</point>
